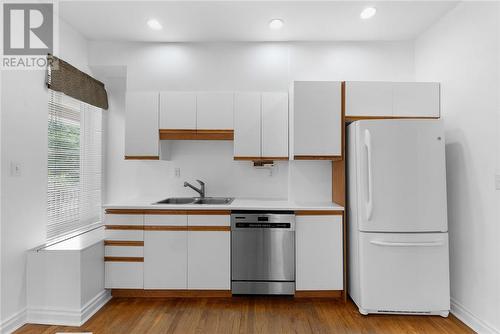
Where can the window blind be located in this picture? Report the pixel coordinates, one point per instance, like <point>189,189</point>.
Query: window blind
<point>74,166</point>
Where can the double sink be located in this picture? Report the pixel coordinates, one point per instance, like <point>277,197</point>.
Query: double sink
<point>197,200</point>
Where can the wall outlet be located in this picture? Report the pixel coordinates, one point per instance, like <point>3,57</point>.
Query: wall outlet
<point>177,172</point>
<point>15,169</point>
<point>497,182</point>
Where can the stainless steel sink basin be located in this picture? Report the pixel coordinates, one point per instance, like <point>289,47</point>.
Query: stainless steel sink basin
<point>197,200</point>
<point>177,200</point>
<point>214,200</point>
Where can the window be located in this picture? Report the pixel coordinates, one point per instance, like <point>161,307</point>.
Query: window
<point>74,166</point>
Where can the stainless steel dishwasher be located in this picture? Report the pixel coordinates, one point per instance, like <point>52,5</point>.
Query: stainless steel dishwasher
<point>263,252</point>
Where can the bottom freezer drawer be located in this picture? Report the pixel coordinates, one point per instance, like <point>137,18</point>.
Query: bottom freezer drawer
<point>404,272</point>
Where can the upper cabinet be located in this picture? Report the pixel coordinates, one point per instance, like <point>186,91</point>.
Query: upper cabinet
<point>178,110</point>
<point>391,99</point>
<point>247,124</point>
<point>141,126</point>
<point>260,126</point>
<point>274,124</point>
<point>317,120</point>
<point>196,115</point>
<point>214,110</point>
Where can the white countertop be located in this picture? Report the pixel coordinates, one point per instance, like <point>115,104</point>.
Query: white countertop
<point>237,204</point>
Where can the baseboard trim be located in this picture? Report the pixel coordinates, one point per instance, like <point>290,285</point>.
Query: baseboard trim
<point>64,317</point>
<point>471,320</point>
<point>140,293</point>
<point>319,294</point>
<point>14,322</point>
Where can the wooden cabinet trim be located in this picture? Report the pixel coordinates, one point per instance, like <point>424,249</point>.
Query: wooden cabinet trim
<point>142,157</point>
<point>319,213</point>
<point>124,212</point>
<point>194,134</point>
<point>319,293</point>
<point>184,293</point>
<point>124,227</point>
<point>123,243</point>
<point>164,228</point>
<point>209,228</point>
<point>241,158</point>
<point>123,259</point>
<point>318,157</point>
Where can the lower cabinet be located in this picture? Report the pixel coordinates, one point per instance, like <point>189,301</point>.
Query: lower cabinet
<point>187,251</point>
<point>319,252</point>
<point>124,275</point>
<point>209,260</point>
<point>165,259</point>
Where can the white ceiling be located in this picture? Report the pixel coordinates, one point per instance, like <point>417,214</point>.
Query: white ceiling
<point>248,20</point>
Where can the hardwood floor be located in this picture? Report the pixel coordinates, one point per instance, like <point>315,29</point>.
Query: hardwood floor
<point>247,315</point>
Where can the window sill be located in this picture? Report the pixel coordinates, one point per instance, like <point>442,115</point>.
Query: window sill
<point>79,242</point>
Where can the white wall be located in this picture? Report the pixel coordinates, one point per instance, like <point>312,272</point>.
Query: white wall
<point>232,66</point>
<point>24,198</point>
<point>461,51</point>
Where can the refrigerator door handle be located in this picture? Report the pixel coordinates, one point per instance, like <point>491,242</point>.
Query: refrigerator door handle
<point>369,202</point>
<point>407,244</point>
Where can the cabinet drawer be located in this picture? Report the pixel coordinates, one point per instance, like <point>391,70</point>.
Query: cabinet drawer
<point>165,220</point>
<point>124,251</point>
<point>124,235</point>
<point>209,220</point>
<point>124,275</point>
<point>112,219</point>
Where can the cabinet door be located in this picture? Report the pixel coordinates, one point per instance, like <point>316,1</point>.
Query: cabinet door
<point>123,275</point>
<point>209,260</point>
<point>178,110</point>
<point>416,99</point>
<point>214,111</point>
<point>165,252</point>
<point>141,125</point>
<point>368,98</point>
<point>317,118</point>
<point>319,253</point>
<point>274,124</point>
<point>165,259</point>
<point>247,123</point>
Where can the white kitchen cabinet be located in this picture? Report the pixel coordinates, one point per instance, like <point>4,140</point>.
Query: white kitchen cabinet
<point>123,275</point>
<point>178,110</point>
<point>209,260</point>
<point>274,124</point>
<point>165,252</point>
<point>141,125</point>
<point>247,124</point>
<point>416,99</point>
<point>165,259</point>
<point>319,253</point>
<point>365,98</point>
<point>214,110</point>
<point>317,119</point>
<point>392,99</point>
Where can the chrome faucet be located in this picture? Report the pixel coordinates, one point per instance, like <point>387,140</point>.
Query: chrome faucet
<point>200,190</point>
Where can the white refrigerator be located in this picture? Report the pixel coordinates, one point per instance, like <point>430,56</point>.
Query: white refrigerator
<point>397,217</point>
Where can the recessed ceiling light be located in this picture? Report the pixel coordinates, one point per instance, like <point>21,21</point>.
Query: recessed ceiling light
<point>276,24</point>
<point>368,12</point>
<point>154,24</point>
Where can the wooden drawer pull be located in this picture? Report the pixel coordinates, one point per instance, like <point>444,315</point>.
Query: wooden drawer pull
<point>123,243</point>
<point>125,227</point>
<point>123,259</point>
